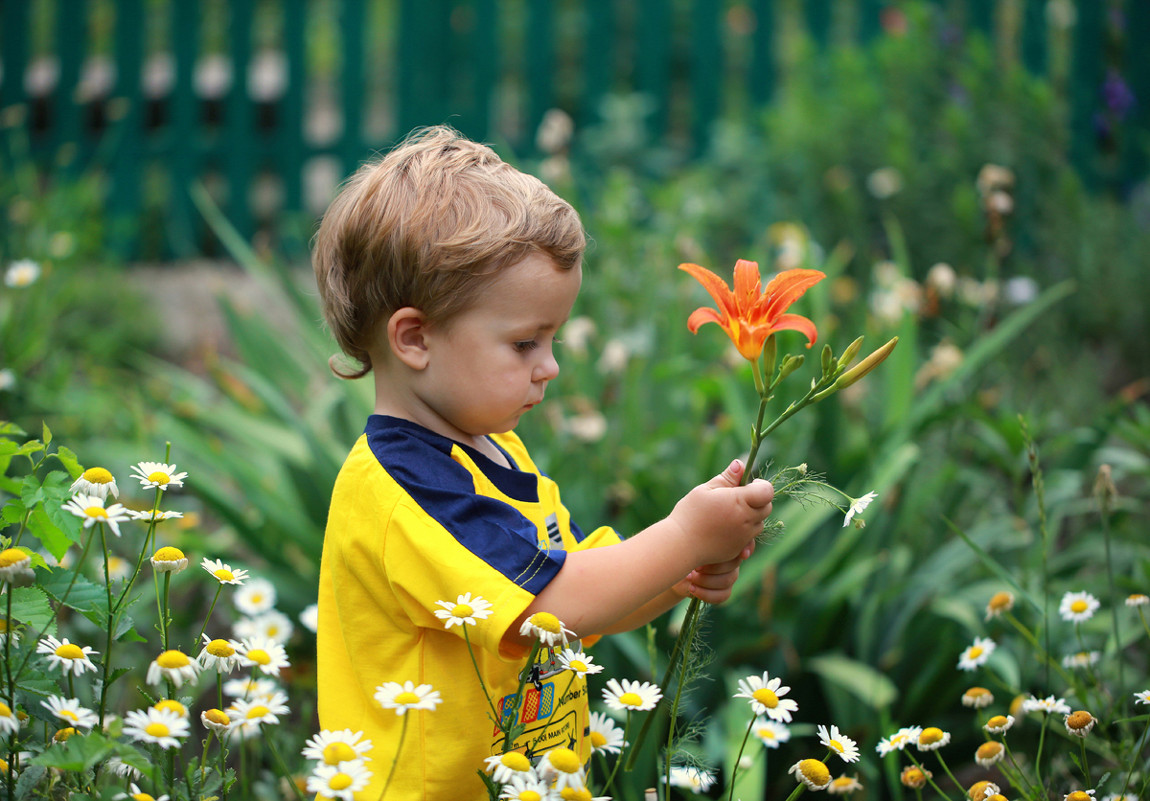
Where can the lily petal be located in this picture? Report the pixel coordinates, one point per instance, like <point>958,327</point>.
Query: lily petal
<point>787,287</point>
<point>704,314</point>
<point>796,322</point>
<point>716,287</point>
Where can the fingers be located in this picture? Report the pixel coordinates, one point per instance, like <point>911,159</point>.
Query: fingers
<point>712,587</point>
<point>729,477</point>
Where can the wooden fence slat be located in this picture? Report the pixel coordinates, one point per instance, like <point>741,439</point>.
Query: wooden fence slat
<point>599,53</point>
<point>762,77</point>
<point>706,70</point>
<point>185,136</point>
<point>67,140</point>
<point>124,126</point>
<point>652,55</point>
<point>818,20</point>
<point>237,146</point>
<point>540,64</point>
<point>290,117</point>
<point>1034,37</point>
<point>1086,75</point>
<point>486,66</point>
<point>13,52</point>
<point>352,82</point>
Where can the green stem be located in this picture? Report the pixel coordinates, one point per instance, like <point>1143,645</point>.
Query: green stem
<point>735,768</point>
<point>1142,617</point>
<point>398,750</point>
<point>510,734</point>
<point>207,617</point>
<point>162,604</point>
<point>1104,513</point>
<point>1031,788</point>
<point>1133,764</point>
<point>281,766</point>
<point>615,769</point>
<point>1085,763</point>
<point>495,717</point>
<point>1038,756</point>
<point>107,666</point>
<point>927,775</point>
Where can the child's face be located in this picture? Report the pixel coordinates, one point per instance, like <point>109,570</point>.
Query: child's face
<point>491,363</point>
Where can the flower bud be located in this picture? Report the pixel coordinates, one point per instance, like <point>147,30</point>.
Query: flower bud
<point>790,364</point>
<point>828,358</point>
<point>850,353</point>
<point>852,375</point>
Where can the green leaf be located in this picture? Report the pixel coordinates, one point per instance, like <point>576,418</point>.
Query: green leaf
<point>857,678</point>
<point>13,511</point>
<point>70,462</point>
<point>76,592</point>
<point>51,536</point>
<point>30,777</point>
<point>7,427</point>
<point>77,753</point>
<point>31,607</point>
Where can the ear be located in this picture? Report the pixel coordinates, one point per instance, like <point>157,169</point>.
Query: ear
<point>407,330</point>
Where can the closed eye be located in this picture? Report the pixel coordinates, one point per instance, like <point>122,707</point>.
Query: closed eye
<point>524,346</point>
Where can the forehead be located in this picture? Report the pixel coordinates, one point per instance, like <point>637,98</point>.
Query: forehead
<point>534,287</point>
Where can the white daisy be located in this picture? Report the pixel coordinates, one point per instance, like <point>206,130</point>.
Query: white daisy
<point>765,696</point>
<point>9,723</point>
<point>899,740</point>
<point>546,628</point>
<point>999,724</point>
<point>977,653</point>
<point>91,509</point>
<point>1078,607</point>
<point>250,687</point>
<point>811,772</point>
<point>562,766</point>
<point>465,610</point>
<point>136,794</point>
<point>505,767</point>
<point>606,737</point>
<point>578,662</point>
<point>336,747</point>
<point>255,597</point>
<point>67,656</point>
<point>157,475</point>
<point>844,784</point>
<point>122,769</point>
<point>171,705</point>
<point>70,711</point>
<point>836,741</point>
<point>977,698</point>
<point>309,617</point>
<point>1048,705</point>
<point>218,655</point>
<point>267,655</point>
<point>932,738</point>
<point>13,561</point>
<point>96,482</point>
<point>989,753</point>
<point>21,273</point>
<point>169,560</point>
<point>216,720</point>
<point>1082,659</point>
<point>260,710</point>
<point>402,697</point>
<point>273,625</point>
<point>1142,697</point>
<point>769,732</point>
<point>158,515</point>
<point>1137,599</point>
<point>631,695</point>
<point>224,573</point>
<point>1079,723</point>
<point>691,778</point>
<point>174,666</point>
<point>157,727</point>
<point>339,781</point>
<point>858,506</point>
<point>526,787</point>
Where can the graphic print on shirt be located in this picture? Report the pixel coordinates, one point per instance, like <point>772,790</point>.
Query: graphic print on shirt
<point>548,708</point>
<point>554,535</point>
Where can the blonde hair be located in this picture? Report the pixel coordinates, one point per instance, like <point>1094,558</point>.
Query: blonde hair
<point>425,226</point>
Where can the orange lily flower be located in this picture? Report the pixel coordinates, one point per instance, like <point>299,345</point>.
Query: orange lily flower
<point>750,314</point>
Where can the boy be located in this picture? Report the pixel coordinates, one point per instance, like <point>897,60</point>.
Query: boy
<point>447,273</point>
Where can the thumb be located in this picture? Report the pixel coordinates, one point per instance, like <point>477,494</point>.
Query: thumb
<point>729,477</point>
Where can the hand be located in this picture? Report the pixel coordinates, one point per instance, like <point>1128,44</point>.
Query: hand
<point>712,584</point>
<point>720,519</point>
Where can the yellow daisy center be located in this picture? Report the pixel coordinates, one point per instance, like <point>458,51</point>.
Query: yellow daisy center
<point>96,511</point>
<point>564,760</point>
<point>217,716</point>
<point>340,781</point>
<point>913,777</point>
<point>407,698</point>
<point>171,705</point>
<point>546,621</point>
<point>997,721</point>
<point>462,610</point>
<point>257,712</point>
<point>1078,607</point>
<point>630,699</point>
<point>12,556</point>
<point>69,651</point>
<point>898,739</point>
<point>1079,720</point>
<point>988,750</point>
<point>515,761</point>
<point>974,652</point>
<point>933,734</point>
<point>168,554</point>
<point>3,626</point>
<point>815,771</point>
<point>598,740</point>
<point>98,475</point>
<point>334,753</point>
<point>172,660</point>
<point>835,745</point>
<point>256,598</point>
<point>143,797</point>
<point>977,791</point>
<point>578,664</point>
<point>766,697</point>
<point>766,733</point>
<point>573,794</point>
<point>5,710</point>
<point>224,575</point>
<point>68,713</point>
<point>1078,795</point>
<point>259,656</point>
<point>221,649</point>
<point>157,729</point>
<point>159,477</point>
<point>63,734</point>
<point>529,795</point>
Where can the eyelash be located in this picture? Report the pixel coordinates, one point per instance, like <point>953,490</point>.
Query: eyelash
<point>523,347</point>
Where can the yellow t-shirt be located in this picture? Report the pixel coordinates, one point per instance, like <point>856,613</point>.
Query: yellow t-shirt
<point>417,518</point>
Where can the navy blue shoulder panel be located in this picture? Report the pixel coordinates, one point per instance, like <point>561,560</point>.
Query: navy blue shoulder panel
<point>420,461</point>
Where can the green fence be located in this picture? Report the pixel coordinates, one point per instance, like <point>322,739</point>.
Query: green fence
<point>270,102</point>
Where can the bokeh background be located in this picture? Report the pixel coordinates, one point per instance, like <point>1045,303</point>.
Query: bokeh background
<point>971,174</point>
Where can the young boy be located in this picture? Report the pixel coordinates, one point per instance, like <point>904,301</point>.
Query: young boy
<point>446,273</point>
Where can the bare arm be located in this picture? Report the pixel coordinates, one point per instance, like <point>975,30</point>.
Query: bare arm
<point>624,585</point>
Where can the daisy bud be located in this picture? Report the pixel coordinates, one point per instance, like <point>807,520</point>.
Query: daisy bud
<point>1080,723</point>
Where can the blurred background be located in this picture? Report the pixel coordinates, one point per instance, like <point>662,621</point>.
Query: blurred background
<point>971,174</point>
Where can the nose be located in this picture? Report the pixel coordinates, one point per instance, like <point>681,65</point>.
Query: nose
<point>547,368</point>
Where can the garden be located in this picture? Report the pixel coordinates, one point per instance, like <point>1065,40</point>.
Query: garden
<point>949,601</point>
